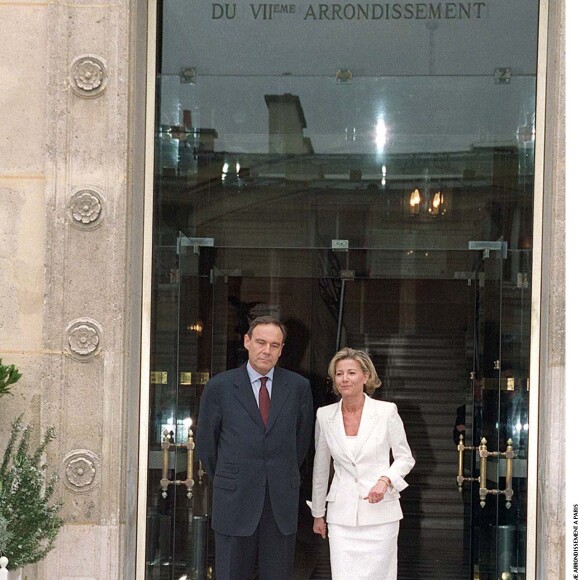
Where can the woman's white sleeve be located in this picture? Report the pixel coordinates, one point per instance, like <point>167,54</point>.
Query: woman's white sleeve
<point>320,473</point>
<point>403,458</point>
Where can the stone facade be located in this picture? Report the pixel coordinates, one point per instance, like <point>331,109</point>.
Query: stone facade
<point>70,239</point>
<point>64,198</point>
<point>552,449</point>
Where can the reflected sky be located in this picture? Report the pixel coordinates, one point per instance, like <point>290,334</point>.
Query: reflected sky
<point>413,114</point>
<point>426,81</point>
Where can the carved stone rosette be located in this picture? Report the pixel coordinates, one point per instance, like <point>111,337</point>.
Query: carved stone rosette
<point>83,338</point>
<point>86,208</point>
<point>88,76</point>
<point>80,470</point>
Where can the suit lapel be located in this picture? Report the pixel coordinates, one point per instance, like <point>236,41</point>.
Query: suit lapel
<point>336,428</point>
<point>280,392</point>
<point>245,395</point>
<point>368,421</point>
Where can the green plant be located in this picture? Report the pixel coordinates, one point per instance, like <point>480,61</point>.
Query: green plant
<point>5,535</point>
<point>29,520</point>
<point>8,376</point>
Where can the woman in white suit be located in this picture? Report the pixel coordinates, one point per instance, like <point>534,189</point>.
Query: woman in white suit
<point>362,506</point>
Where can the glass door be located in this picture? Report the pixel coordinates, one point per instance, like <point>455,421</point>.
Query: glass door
<point>492,443</point>
<point>177,522</point>
<point>209,297</point>
<point>336,180</point>
<point>435,324</point>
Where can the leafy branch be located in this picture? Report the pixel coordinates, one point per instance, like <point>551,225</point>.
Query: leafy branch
<point>29,521</point>
<point>8,376</point>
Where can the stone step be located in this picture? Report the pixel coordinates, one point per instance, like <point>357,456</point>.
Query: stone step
<point>411,340</point>
<point>443,479</point>
<point>435,469</point>
<point>417,416</point>
<point>434,404</point>
<point>441,432</point>
<point>434,517</point>
<point>415,375</point>
<point>441,494</point>
<point>418,398</point>
<point>402,356</point>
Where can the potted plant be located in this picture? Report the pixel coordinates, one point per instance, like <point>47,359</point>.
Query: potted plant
<point>29,519</point>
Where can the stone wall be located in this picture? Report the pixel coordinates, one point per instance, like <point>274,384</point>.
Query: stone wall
<point>65,301</point>
<point>551,450</point>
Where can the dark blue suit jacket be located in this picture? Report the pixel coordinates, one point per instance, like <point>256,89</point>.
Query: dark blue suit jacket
<point>242,456</point>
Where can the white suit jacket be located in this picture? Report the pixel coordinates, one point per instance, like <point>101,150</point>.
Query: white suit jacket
<point>355,473</point>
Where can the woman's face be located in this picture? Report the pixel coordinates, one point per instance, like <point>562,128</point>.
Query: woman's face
<point>349,378</point>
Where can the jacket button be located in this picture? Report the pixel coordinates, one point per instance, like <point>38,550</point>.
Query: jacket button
<point>356,480</point>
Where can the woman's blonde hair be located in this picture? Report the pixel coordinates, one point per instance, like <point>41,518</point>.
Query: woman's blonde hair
<point>365,362</point>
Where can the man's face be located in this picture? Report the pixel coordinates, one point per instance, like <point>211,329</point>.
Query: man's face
<point>264,347</point>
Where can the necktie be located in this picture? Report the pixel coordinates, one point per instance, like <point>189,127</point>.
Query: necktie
<point>264,400</point>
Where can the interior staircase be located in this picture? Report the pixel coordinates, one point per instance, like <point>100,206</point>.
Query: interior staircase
<point>427,377</point>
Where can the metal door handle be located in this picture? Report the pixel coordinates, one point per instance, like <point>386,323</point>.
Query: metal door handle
<point>508,455</point>
<point>165,481</point>
<point>461,448</point>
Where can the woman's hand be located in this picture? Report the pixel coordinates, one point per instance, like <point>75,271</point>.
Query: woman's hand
<point>377,492</point>
<point>319,527</point>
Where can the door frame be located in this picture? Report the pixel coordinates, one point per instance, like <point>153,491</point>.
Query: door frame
<point>146,290</point>
<point>536,294</point>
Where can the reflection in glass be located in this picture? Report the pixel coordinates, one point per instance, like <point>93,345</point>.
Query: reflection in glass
<point>335,180</point>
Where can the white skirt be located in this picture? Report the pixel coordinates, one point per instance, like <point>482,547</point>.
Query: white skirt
<point>363,552</point>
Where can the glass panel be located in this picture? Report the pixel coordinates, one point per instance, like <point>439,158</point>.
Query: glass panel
<point>330,164</point>
<point>486,410</point>
<point>425,332</point>
<point>496,409</point>
<point>514,404</point>
<point>214,182</point>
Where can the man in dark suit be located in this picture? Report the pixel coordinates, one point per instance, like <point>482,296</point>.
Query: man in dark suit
<point>253,432</point>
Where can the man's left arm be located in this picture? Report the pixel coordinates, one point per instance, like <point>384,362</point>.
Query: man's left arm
<point>304,423</point>
<point>208,428</point>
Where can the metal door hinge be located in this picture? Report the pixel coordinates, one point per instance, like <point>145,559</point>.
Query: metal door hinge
<point>488,246</point>
<point>339,244</point>
<point>195,243</point>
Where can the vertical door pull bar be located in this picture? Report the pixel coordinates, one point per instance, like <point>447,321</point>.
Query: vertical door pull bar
<point>508,455</point>
<point>165,464</point>
<point>461,448</point>
<point>189,482</point>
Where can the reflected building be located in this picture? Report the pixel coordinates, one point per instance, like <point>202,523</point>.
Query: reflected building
<point>378,176</point>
